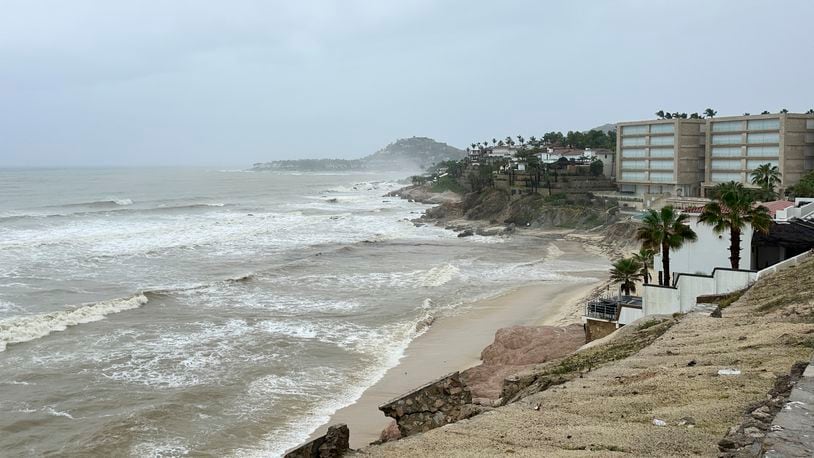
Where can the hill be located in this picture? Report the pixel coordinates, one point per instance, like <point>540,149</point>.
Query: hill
<point>403,154</point>
<point>604,128</point>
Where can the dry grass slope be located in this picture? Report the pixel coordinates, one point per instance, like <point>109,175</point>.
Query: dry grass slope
<point>609,411</point>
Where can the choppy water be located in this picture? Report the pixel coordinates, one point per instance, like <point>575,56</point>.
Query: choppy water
<point>163,312</point>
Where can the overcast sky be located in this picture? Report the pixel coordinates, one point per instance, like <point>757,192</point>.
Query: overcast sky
<point>101,82</point>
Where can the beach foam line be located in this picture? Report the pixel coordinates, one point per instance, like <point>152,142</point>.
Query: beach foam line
<point>29,327</point>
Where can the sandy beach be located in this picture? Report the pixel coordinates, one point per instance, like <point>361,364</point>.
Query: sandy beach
<point>455,343</point>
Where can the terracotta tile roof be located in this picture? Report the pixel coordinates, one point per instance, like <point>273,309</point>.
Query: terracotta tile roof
<point>773,207</point>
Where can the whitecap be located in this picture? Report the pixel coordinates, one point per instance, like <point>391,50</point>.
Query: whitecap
<point>29,327</point>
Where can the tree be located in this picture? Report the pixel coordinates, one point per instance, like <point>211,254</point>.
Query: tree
<point>695,116</point>
<point>765,112</point>
<point>805,187</point>
<point>500,143</point>
<point>746,114</point>
<point>660,114</point>
<point>732,211</point>
<point>418,180</point>
<point>665,230</point>
<point>710,113</point>
<point>767,176</point>
<point>494,141</point>
<point>626,271</point>
<point>811,111</point>
<point>784,111</point>
<point>645,258</point>
<point>597,167</point>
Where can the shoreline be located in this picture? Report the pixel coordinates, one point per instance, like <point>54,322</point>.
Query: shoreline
<point>454,343</point>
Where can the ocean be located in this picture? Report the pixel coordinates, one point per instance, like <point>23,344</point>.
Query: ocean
<point>175,311</point>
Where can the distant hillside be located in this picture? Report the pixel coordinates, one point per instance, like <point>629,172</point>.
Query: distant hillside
<point>403,154</point>
<point>605,128</point>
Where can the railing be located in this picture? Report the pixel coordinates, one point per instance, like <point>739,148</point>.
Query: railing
<point>602,309</point>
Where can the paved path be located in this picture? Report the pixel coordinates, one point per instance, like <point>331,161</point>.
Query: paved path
<point>792,432</point>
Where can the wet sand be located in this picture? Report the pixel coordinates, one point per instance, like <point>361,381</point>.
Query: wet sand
<point>454,343</point>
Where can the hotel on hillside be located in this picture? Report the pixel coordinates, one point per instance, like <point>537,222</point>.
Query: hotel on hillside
<point>686,157</point>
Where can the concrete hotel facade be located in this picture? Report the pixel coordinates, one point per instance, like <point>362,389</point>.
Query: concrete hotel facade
<point>736,145</point>
<point>661,157</point>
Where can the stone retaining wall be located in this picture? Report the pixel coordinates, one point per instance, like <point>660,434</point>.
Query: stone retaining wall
<point>333,444</point>
<point>435,404</point>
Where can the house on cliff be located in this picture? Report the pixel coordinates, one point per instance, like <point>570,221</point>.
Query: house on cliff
<point>702,269</point>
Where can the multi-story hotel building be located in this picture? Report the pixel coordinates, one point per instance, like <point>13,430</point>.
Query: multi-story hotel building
<point>661,157</point>
<point>736,145</point>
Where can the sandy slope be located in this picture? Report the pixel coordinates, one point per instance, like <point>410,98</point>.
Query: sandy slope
<point>610,410</point>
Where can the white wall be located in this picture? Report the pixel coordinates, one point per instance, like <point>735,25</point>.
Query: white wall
<point>711,250</point>
<point>630,314</point>
<point>660,300</point>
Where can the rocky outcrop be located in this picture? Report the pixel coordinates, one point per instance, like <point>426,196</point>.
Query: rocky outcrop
<point>435,404</point>
<point>516,348</point>
<point>335,443</point>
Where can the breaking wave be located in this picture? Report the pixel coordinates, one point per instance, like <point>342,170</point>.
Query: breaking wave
<point>30,327</point>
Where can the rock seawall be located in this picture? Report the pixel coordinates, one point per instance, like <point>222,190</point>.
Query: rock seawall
<point>435,404</point>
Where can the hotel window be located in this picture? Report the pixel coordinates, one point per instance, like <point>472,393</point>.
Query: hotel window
<point>661,165</point>
<point>633,141</point>
<point>719,177</point>
<point>637,176</point>
<point>764,138</point>
<point>809,123</point>
<point>726,139</point>
<point>755,163</point>
<point>662,128</point>
<point>666,140</point>
<point>764,124</point>
<point>633,152</point>
<point>809,138</point>
<point>719,164</point>
<point>634,165</point>
<point>726,151</point>
<point>661,176</point>
<point>634,130</point>
<point>727,126</point>
<point>662,152</point>
<point>772,151</point>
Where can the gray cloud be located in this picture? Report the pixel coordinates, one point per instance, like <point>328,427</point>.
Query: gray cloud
<point>205,82</point>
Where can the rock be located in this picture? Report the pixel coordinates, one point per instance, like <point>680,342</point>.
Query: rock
<point>753,432</point>
<point>763,414</point>
<point>659,422</point>
<point>691,363</point>
<point>716,313</point>
<point>466,233</point>
<point>686,421</point>
<point>335,443</point>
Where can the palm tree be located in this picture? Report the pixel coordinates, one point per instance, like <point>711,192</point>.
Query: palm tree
<point>494,141</point>
<point>784,111</point>
<point>626,271</point>
<point>767,176</point>
<point>665,230</point>
<point>732,210</point>
<point>645,258</point>
<point>710,113</point>
<point>660,114</point>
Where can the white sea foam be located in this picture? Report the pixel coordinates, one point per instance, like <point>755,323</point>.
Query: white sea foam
<point>123,202</point>
<point>30,327</point>
<point>51,411</point>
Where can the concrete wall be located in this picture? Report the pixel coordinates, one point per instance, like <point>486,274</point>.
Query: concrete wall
<point>682,298</point>
<point>597,329</point>
<point>711,250</point>
<point>660,300</point>
<point>630,314</point>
